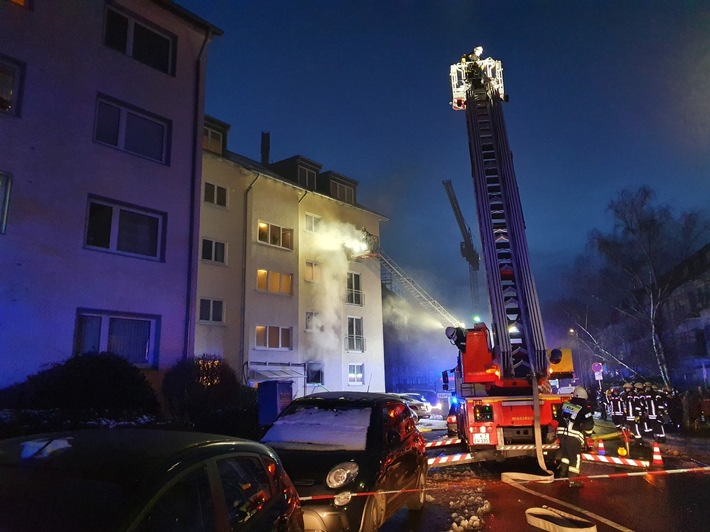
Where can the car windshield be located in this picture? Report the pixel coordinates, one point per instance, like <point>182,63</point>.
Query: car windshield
<point>324,428</point>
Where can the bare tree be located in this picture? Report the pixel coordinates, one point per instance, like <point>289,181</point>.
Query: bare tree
<point>636,260</point>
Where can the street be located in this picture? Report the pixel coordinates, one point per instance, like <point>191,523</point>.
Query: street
<point>473,497</point>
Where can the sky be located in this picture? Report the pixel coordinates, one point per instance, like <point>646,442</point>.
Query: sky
<point>605,95</point>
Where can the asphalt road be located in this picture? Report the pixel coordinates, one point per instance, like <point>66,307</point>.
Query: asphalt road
<point>671,497</point>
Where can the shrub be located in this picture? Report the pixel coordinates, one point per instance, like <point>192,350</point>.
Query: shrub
<point>204,394</point>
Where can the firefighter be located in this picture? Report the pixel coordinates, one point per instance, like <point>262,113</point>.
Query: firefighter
<point>648,421</point>
<point>632,408</point>
<point>575,423</point>
<point>660,404</point>
<point>616,404</point>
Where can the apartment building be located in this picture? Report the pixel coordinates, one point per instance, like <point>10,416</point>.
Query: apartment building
<point>101,110</point>
<point>287,290</point>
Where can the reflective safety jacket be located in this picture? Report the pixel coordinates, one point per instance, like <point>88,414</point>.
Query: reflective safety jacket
<point>575,419</point>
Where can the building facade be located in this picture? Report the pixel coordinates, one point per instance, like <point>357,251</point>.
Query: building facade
<point>101,105</point>
<point>286,291</point>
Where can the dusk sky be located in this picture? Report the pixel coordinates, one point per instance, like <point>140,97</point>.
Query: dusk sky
<point>604,95</point>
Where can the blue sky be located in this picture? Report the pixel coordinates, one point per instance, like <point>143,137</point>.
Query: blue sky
<point>604,95</point>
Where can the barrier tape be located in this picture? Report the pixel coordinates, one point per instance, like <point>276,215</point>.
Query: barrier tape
<point>365,493</point>
<point>614,460</point>
<point>442,443</point>
<point>705,469</point>
<point>460,458</point>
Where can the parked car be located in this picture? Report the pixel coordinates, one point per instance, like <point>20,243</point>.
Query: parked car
<point>431,397</point>
<point>421,408</point>
<point>142,479</point>
<point>356,458</point>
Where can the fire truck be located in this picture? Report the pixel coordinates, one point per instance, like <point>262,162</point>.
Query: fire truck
<point>506,407</point>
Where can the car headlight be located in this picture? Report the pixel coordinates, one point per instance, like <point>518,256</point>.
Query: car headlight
<point>341,475</point>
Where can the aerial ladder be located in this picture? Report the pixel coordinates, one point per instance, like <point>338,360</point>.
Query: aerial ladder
<point>506,406</point>
<point>468,250</point>
<point>416,291</point>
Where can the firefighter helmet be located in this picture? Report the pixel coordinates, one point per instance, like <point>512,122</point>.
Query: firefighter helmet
<point>627,386</point>
<point>647,385</point>
<point>580,392</point>
<point>638,386</point>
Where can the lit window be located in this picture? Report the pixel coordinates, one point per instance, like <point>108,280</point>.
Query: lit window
<point>149,45</point>
<point>355,341</point>
<point>212,140</point>
<point>273,337</point>
<point>212,310</point>
<point>131,336</point>
<point>312,272</point>
<point>5,183</point>
<point>354,295</point>
<point>132,130</point>
<point>11,75</point>
<point>215,194</point>
<point>274,282</point>
<point>356,374</point>
<point>275,235</point>
<point>213,251</point>
<point>125,229</point>
<point>312,223</point>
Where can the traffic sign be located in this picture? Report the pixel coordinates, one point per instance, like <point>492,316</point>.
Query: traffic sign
<point>597,367</point>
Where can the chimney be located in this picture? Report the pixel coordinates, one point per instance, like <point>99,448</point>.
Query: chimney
<point>265,147</point>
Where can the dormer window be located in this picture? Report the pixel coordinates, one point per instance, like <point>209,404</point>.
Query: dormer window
<point>212,140</point>
<point>306,178</point>
<point>342,192</point>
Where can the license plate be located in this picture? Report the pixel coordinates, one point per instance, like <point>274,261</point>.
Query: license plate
<point>481,438</point>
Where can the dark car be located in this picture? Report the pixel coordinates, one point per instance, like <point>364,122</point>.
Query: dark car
<point>356,458</point>
<point>142,479</point>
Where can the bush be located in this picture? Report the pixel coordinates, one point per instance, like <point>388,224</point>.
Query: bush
<point>81,391</point>
<point>204,394</point>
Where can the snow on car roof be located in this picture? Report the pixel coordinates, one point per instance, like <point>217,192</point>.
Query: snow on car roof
<point>329,429</point>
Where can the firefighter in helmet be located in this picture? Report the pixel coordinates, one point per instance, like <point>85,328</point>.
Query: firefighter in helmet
<point>575,423</point>
<point>616,405</point>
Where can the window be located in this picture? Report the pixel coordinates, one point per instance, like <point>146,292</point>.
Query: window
<point>312,272</point>
<point>275,235</point>
<point>342,192</point>
<point>212,140</point>
<point>132,336</point>
<point>11,76</point>
<point>246,487</point>
<point>356,374</point>
<point>355,341</point>
<point>213,251</point>
<point>274,282</point>
<point>185,505</point>
<point>306,178</point>
<point>125,229</point>
<point>215,194</point>
<point>354,295</point>
<point>132,130</point>
<point>312,321</point>
<point>314,373</point>
<point>273,337</point>
<point>312,223</point>
<point>5,182</point>
<point>149,45</point>
<point>212,310</point>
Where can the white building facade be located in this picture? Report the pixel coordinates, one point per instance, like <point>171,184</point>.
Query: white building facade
<point>285,292</point>
<point>101,106</point>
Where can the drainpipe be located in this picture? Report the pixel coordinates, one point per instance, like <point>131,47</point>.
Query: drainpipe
<point>245,239</point>
<point>196,188</point>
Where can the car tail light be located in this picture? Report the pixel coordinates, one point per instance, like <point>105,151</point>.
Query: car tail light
<point>483,413</point>
<point>342,474</point>
<point>451,418</point>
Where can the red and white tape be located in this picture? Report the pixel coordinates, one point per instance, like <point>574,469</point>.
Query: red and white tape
<point>614,460</point>
<point>442,443</point>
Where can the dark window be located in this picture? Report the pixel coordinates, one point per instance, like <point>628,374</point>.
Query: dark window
<point>124,229</point>
<point>11,74</point>
<point>148,45</point>
<point>246,488</point>
<point>142,133</point>
<point>186,505</point>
